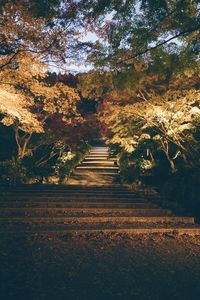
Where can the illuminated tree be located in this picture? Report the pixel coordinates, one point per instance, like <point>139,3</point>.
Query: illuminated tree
<point>28,44</point>
<point>166,121</point>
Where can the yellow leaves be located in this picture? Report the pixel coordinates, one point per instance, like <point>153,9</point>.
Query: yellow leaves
<point>127,143</point>
<point>29,65</point>
<point>15,108</point>
<point>25,70</point>
<point>8,120</point>
<point>156,137</point>
<point>26,40</point>
<point>145,136</point>
<point>60,99</point>
<point>170,115</point>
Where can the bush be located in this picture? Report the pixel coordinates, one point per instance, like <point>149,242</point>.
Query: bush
<point>184,187</point>
<point>56,169</point>
<point>12,172</point>
<point>69,160</point>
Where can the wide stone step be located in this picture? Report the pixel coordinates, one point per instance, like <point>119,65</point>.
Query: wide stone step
<point>85,180</point>
<point>97,198</point>
<point>89,190</point>
<point>80,193</point>
<point>63,197</point>
<point>32,228</point>
<point>62,232</point>
<point>70,200</point>
<point>92,190</point>
<point>76,204</point>
<point>64,187</point>
<point>97,219</point>
<point>79,212</point>
<point>82,197</point>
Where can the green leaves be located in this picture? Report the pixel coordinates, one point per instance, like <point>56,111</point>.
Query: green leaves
<point>137,28</point>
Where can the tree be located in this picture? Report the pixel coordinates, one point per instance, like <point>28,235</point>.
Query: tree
<point>167,121</point>
<point>28,43</point>
<point>134,29</point>
<point>28,116</point>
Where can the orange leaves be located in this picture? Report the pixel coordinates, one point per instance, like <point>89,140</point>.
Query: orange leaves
<point>15,107</point>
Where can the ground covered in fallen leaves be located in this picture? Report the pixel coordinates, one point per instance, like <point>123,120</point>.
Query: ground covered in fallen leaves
<point>103,266</point>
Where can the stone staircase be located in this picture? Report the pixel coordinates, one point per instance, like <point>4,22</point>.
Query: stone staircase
<point>95,203</point>
<point>99,167</point>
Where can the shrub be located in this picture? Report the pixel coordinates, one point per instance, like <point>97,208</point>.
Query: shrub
<point>184,187</point>
<point>12,172</point>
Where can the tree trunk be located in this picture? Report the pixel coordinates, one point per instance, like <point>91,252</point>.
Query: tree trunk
<point>22,143</point>
<point>165,148</point>
<point>172,165</point>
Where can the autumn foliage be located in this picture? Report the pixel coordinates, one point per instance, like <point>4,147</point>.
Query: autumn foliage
<point>142,94</point>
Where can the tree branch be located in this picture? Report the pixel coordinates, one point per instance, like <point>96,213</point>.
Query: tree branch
<point>160,44</point>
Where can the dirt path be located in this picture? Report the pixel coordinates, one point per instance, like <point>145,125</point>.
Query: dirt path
<point>101,267</point>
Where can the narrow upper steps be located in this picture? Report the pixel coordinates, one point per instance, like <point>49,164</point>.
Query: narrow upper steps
<point>97,168</point>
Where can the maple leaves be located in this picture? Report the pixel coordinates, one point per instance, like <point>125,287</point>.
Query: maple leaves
<point>22,33</point>
<point>166,120</point>
<point>27,46</point>
<point>15,107</point>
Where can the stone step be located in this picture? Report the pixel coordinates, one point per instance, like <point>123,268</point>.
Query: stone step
<point>98,220</point>
<point>79,212</point>
<point>101,179</point>
<point>100,155</point>
<point>93,154</point>
<point>80,209</point>
<point>90,192</point>
<point>63,196</point>
<point>65,233</point>
<point>80,193</point>
<point>65,187</point>
<point>76,204</point>
<point>98,163</point>
<point>84,196</point>
<point>100,152</point>
<point>99,159</point>
<point>98,167</point>
<point>95,171</point>
<point>70,199</point>
<point>100,147</point>
<point>31,226</point>
<point>69,189</point>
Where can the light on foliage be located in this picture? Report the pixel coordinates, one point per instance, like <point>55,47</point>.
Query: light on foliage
<point>16,108</point>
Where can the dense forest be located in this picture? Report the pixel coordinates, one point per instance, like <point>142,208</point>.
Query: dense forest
<point>141,94</point>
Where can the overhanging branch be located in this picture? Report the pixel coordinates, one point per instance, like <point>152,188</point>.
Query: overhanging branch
<point>182,33</point>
